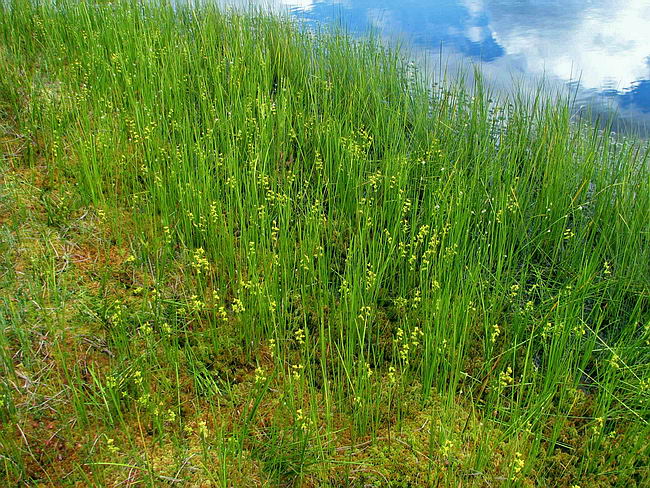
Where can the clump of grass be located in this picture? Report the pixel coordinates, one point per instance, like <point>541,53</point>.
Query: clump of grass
<point>249,253</point>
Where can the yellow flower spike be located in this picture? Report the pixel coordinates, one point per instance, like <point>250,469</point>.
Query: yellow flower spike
<point>391,375</point>
<point>110,445</point>
<point>300,336</point>
<point>518,463</point>
<point>202,429</point>
<point>505,377</point>
<point>259,375</point>
<point>496,332</point>
<point>607,268</point>
<point>296,370</point>
<point>238,306</point>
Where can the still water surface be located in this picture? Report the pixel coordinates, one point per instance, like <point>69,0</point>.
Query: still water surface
<point>600,46</point>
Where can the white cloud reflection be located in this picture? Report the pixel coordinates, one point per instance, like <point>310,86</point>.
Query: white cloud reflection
<point>605,44</point>
<point>304,5</point>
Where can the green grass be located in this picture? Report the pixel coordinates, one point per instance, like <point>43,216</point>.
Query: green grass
<point>235,253</point>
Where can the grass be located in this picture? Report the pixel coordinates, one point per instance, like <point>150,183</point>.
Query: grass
<point>234,252</point>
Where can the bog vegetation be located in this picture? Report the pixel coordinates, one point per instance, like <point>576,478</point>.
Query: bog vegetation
<point>235,252</point>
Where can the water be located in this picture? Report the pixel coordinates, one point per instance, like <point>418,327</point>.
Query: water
<point>600,48</point>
